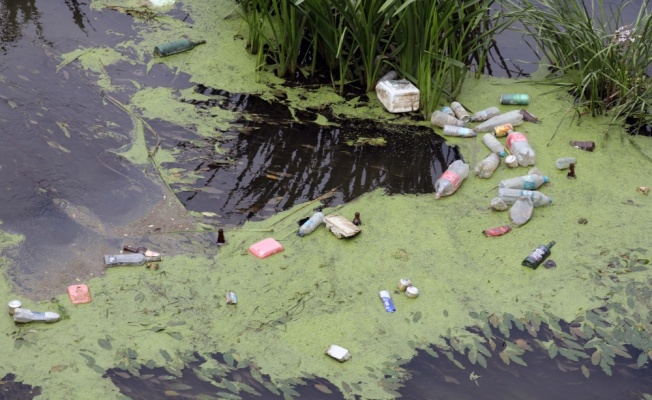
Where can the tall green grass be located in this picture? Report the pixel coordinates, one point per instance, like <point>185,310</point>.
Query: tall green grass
<point>589,50</point>
<point>430,42</point>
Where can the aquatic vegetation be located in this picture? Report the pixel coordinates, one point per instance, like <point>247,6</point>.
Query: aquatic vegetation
<point>592,53</point>
<point>433,43</point>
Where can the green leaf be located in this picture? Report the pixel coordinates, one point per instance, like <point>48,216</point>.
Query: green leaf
<point>642,359</point>
<point>473,355</point>
<point>517,360</point>
<point>552,350</point>
<point>165,355</point>
<point>482,360</point>
<point>585,371</point>
<point>105,344</point>
<point>228,358</point>
<point>416,317</point>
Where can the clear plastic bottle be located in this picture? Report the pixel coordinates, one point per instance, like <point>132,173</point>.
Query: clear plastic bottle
<point>312,223</point>
<point>565,162</point>
<point>510,196</point>
<point>521,211</point>
<point>129,259</point>
<point>527,182</point>
<point>485,114</point>
<point>25,315</point>
<point>518,145</point>
<point>439,118</point>
<point>451,179</point>
<point>515,118</point>
<point>487,166</point>
<point>178,46</point>
<point>449,111</point>
<point>460,111</point>
<point>493,144</point>
<point>450,130</point>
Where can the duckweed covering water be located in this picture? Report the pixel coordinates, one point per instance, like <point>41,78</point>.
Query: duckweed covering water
<point>322,290</point>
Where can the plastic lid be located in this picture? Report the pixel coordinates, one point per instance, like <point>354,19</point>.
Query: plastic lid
<point>15,304</point>
<point>412,291</point>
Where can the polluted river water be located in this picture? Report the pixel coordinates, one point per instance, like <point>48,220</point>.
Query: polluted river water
<point>188,131</point>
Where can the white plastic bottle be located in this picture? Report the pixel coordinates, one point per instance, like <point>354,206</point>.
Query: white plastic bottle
<point>515,118</point>
<point>487,166</point>
<point>493,144</point>
<point>451,179</point>
<point>510,196</point>
<point>439,118</point>
<point>460,111</point>
<point>521,210</point>
<point>518,145</point>
<point>485,114</point>
<point>25,315</point>
<point>527,182</point>
<point>312,223</point>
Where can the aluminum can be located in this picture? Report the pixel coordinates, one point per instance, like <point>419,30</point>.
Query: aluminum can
<point>514,99</point>
<point>503,130</point>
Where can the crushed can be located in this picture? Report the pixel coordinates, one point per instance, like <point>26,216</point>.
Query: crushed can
<point>498,231</point>
<point>520,99</point>
<point>503,130</point>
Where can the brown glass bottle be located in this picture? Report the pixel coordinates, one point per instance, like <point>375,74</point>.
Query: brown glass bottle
<point>538,256</point>
<point>220,237</point>
<point>571,171</point>
<point>356,220</point>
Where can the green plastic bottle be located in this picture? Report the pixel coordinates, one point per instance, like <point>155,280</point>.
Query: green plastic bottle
<point>178,46</point>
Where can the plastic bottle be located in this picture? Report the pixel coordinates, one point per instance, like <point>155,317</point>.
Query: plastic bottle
<point>312,223</point>
<point>512,117</point>
<point>439,118</point>
<point>129,259</point>
<point>25,315</point>
<point>521,210</point>
<point>487,166</point>
<point>387,301</point>
<point>389,76</point>
<point>509,196</point>
<point>520,99</point>
<point>538,256</point>
<point>485,114</point>
<point>450,130</point>
<point>527,182</point>
<point>535,171</point>
<point>460,111</point>
<point>494,145</point>
<point>178,46</point>
<point>518,145</point>
<point>451,179</point>
<point>448,111</point>
<point>565,162</point>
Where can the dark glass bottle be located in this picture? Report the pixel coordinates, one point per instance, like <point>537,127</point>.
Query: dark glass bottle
<point>356,220</point>
<point>538,256</point>
<point>571,171</point>
<point>220,237</point>
<point>134,249</point>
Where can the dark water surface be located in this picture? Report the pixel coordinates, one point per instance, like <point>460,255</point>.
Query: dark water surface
<point>64,188</point>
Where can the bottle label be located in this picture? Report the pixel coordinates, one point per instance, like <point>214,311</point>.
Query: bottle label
<point>529,183</point>
<point>515,137</point>
<point>538,254</point>
<point>452,177</point>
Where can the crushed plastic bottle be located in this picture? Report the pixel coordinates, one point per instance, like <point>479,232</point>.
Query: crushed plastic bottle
<point>527,182</point>
<point>25,315</point>
<point>498,204</point>
<point>451,179</point>
<point>515,118</point>
<point>493,144</point>
<point>518,145</point>
<point>487,166</point>
<point>439,118</point>
<point>509,196</point>
<point>565,162</point>
<point>460,111</point>
<point>312,223</point>
<point>521,211</point>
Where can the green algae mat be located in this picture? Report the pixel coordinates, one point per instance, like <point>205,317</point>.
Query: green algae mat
<point>321,290</point>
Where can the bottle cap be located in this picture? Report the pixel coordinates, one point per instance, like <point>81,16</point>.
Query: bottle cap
<point>510,160</point>
<point>384,293</point>
<point>14,304</point>
<point>411,292</point>
<point>545,179</point>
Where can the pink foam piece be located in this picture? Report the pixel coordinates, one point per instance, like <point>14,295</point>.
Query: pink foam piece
<point>265,248</point>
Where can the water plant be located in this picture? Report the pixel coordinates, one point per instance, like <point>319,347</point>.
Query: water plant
<point>590,51</point>
<point>433,43</point>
